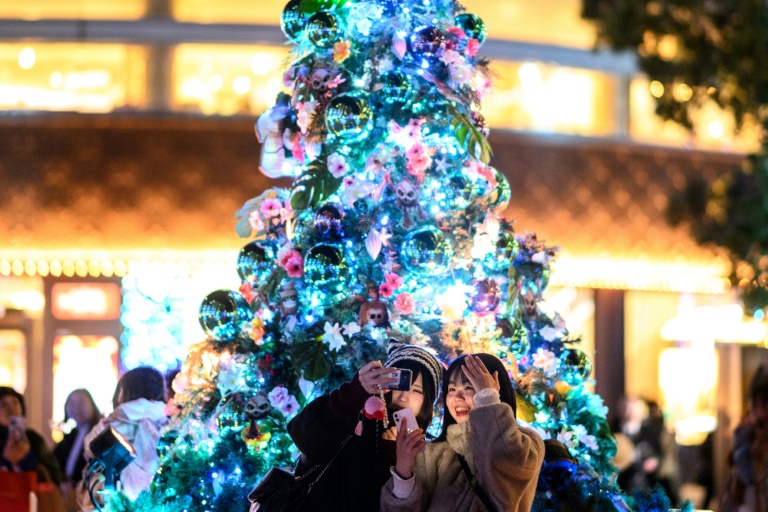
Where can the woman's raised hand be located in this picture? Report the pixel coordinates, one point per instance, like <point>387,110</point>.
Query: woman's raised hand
<point>479,375</point>
<point>409,444</point>
<point>374,377</point>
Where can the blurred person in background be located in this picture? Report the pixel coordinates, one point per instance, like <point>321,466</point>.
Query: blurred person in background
<point>23,449</point>
<point>80,408</point>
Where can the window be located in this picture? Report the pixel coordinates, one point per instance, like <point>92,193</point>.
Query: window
<point>72,77</point>
<point>79,9</point>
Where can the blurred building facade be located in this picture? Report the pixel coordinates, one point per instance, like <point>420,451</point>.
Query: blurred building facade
<point>127,146</point>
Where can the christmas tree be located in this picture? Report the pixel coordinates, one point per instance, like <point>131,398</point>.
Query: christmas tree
<point>392,229</point>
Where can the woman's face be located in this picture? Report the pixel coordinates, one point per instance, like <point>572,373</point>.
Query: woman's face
<point>460,398</point>
<point>9,406</point>
<point>79,408</point>
<point>412,399</point>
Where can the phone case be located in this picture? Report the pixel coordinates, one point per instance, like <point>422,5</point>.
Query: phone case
<point>404,384</point>
<point>410,420</point>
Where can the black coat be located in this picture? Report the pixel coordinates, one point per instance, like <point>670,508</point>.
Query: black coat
<point>353,482</point>
<point>61,451</point>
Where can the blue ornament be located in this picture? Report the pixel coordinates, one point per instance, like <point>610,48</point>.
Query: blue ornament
<point>427,42</point>
<point>221,314</point>
<point>396,89</point>
<point>426,251</point>
<point>292,20</point>
<point>326,268</point>
<point>499,196</point>
<point>506,251</point>
<point>486,296</point>
<point>576,366</point>
<point>556,474</point>
<point>349,116</point>
<point>255,262</point>
<point>513,336</point>
<point>323,29</point>
<point>472,25</point>
<point>328,222</point>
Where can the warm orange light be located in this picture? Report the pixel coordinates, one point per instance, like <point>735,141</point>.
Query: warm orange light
<point>91,301</point>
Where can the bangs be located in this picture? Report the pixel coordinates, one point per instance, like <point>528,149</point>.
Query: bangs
<point>458,376</point>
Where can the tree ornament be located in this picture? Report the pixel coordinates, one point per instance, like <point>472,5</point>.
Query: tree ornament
<point>507,248</point>
<point>472,25</point>
<point>407,192</point>
<point>323,29</point>
<point>374,311</point>
<point>231,418</point>
<point>486,297</point>
<point>328,222</point>
<point>396,89</point>
<point>349,116</point>
<point>427,42</point>
<point>292,20</point>
<point>221,314</point>
<point>426,251</point>
<point>258,406</point>
<point>533,276</point>
<point>499,196</point>
<point>460,191</point>
<point>576,366</point>
<point>325,267</point>
<point>513,337</point>
<point>255,262</point>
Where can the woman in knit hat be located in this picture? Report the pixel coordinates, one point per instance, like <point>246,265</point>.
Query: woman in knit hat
<point>482,460</point>
<point>353,481</point>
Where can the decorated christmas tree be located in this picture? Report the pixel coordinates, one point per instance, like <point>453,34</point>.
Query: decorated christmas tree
<point>393,228</point>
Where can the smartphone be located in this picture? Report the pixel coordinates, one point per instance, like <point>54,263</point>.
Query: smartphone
<point>17,428</point>
<point>410,420</point>
<point>403,380</point>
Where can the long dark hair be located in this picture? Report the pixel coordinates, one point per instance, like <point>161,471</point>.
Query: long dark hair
<point>95,414</point>
<point>141,382</point>
<point>492,363</point>
<point>424,418</point>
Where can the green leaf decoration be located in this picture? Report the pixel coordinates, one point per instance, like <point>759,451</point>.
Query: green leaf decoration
<point>313,6</point>
<point>470,137</point>
<point>243,228</point>
<point>526,411</point>
<point>311,359</point>
<point>314,186</point>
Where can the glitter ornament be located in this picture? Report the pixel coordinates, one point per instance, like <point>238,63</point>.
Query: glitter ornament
<point>221,314</point>
<point>349,116</point>
<point>292,20</point>
<point>328,222</point>
<point>255,262</point>
<point>425,251</point>
<point>576,365</point>
<point>312,6</point>
<point>325,267</point>
<point>499,196</point>
<point>396,89</point>
<point>486,296</point>
<point>323,29</point>
<point>472,25</point>
<point>513,337</point>
<point>427,42</point>
<point>507,248</point>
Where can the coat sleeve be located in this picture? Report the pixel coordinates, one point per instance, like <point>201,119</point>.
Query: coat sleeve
<point>48,468</point>
<point>416,501</point>
<point>318,430</point>
<point>507,458</point>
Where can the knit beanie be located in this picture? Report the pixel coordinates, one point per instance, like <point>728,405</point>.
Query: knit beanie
<point>431,368</point>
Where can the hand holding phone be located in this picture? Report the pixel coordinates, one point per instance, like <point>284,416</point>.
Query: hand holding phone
<point>407,415</point>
